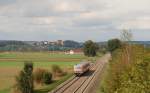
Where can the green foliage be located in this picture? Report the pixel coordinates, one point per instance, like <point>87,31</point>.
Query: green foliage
<point>47,78</point>
<point>28,68</point>
<point>38,75</point>
<point>90,48</point>
<point>42,76</point>
<point>25,79</point>
<point>57,71</point>
<point>114,44</point>
<point>53,85</point>
<point>128,76</point>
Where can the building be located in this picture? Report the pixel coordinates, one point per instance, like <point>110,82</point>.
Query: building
<point>45,42</point>
<point>74,51</point>
<point>60,42</point>
<point>52,43</point>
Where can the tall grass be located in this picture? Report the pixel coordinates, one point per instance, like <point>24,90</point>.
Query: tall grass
<point>128,72</point>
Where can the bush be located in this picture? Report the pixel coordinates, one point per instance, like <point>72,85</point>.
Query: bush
<point>56,70</point>
<point>128,72</point>
<point>42,76</point>
<point>24,81</point>
<point>47,78</point>
<point>38,75</point>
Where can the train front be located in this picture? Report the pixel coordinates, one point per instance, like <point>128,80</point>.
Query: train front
<point>78,69</point>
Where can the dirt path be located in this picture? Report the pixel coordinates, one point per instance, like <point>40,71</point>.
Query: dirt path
<point>88,82</point>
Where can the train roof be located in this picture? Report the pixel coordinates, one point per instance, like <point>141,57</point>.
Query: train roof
<point>82,63</point>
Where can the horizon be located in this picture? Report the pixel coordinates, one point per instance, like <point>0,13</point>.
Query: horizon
<point>70,40</point>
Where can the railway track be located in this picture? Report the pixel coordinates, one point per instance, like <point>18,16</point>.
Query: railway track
<point>83,88</point>
<point>62,88</point>
<point>80,84</point>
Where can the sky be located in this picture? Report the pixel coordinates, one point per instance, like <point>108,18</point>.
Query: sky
<point>79,20</point>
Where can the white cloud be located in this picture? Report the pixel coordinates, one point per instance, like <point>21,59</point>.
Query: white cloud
<point>68,19</point>
<point>141,23</point>
<point>62,6</point>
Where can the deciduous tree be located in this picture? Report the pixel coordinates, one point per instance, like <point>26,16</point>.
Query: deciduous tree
<point>113,44</point>
<point>90,48</point>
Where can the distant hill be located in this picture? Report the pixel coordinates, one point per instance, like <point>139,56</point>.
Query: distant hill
<point>12,45</point>
<point>141,42</point>
<point>145,43</point>
<point>72,44</point>
<point>132,42</point>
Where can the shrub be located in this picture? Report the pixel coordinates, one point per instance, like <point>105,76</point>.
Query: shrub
<point>56,70</point>
<point>24,81</point>
<point>42,76</point>
<point>47,78</point>
<point>38,75</point>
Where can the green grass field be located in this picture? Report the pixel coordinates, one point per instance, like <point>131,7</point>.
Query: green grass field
<point>38,57</point>
<point>12,62</point>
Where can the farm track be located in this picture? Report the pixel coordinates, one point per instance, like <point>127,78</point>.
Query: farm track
<point>80,84</point>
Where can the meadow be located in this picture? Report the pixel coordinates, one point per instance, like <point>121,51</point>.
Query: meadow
<point>12,62</point>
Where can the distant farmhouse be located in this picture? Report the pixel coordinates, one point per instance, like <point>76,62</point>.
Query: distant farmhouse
<point>45,42</point>
<point>75,51</point>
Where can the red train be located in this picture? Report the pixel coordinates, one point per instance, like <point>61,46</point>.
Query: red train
<point>81,68</point>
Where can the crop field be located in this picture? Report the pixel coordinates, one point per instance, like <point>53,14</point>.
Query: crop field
<point>12,62</point>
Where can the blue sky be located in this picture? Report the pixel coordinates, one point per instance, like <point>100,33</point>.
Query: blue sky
<point>79,20</point>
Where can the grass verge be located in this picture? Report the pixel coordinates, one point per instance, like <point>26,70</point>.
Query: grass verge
<point>53,85</point>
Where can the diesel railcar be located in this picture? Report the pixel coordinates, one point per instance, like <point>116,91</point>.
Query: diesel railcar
<point>81,68</point>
